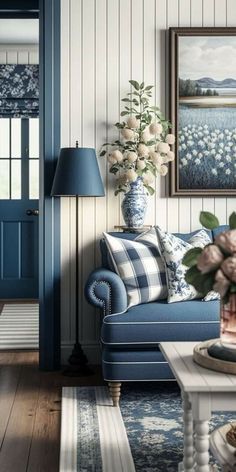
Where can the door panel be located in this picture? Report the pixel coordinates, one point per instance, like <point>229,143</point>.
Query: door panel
<point>18,228</point>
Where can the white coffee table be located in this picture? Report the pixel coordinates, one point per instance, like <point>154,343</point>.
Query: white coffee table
<point>203,391</point>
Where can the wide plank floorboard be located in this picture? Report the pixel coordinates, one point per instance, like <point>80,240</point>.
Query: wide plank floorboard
<point>30,412</point>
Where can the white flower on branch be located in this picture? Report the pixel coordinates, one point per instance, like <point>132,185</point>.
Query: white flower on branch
<point>155,128</point>
<point>117,155</point>
<point>141,164</point>
<point>143,150</point>
<point>163,170</point>
<point>170,139</point>
<point>132,156</point>
<point>128,134</point>
<point>132,122</point>
<point>163,148</point>
<point>131,175</point>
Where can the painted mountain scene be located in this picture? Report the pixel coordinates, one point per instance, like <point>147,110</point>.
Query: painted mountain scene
<point>207,112</point>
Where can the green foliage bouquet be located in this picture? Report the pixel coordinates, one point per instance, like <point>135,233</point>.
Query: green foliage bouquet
<point>214,267</point>
<point>143,149</point>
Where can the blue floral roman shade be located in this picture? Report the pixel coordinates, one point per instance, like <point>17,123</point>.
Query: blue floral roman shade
<point>19,91</point>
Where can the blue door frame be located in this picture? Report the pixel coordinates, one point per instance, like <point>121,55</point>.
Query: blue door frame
<point>49,208</point>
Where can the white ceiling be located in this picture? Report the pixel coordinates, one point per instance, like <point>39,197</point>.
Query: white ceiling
<point>19,31</point>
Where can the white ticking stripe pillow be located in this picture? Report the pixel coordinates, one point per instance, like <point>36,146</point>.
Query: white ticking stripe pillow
<point>139,264</point>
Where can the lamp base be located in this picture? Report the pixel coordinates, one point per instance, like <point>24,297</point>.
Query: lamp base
<point>77,363</point>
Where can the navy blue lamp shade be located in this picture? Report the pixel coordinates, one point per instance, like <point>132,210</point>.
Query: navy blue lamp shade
<point>77,173</point>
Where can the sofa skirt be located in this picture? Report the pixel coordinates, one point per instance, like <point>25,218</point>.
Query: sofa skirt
<point>132,365</point>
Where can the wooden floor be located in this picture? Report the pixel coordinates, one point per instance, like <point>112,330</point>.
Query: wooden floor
<point>30,409</point>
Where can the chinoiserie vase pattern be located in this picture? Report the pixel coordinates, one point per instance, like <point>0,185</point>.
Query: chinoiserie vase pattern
<point>228,323</point>
<point>134,204</point>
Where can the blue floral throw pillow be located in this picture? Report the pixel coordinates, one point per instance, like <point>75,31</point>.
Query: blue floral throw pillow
<point>172,251</point>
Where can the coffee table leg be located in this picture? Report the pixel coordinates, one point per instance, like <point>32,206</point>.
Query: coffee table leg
<point>188,457</point>
<point>202,446</point>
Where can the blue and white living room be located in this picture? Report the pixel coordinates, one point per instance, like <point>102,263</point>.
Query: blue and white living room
<point>118,235</point>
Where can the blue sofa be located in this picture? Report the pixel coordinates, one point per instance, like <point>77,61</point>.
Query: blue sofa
<point>130,340</point>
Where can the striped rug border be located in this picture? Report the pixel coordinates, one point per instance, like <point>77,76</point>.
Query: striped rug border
<point>19,326</point>
<point>114,444</point>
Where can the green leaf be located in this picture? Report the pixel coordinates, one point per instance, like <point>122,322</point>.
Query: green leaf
<point>135,84</point>
<point>102,153</point>
<point>192,275</point>
<point>119,125</point>
<point>208,220</point>
<point>149,87</point>
<point>151,143</point>
<point>150,190</point>
<point>126,100</point>
<point>119,190</point>
<point>142,85</point>
<point>190,258</point>
<point>232,220</point>
<point>114,169</point>
<point>123,113</point>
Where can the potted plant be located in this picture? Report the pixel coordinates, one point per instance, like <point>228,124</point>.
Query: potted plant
<point>141,152</point>
<point>214,268</point>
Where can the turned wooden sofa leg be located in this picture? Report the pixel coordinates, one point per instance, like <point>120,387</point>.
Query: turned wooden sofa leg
<point>114,388</point>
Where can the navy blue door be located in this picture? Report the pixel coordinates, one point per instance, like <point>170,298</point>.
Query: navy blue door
<point>19,183</point>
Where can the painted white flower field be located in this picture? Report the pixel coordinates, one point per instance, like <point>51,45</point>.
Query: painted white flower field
<point>207,148</point>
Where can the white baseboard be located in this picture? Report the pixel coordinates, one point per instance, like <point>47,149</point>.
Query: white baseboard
<point>92,351</point>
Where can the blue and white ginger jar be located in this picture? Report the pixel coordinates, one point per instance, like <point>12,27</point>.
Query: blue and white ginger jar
<point>134,204</point>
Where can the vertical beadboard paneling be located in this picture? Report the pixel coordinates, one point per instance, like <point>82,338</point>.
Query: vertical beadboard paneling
<point>208,12</point>
<point>196,203</point>
<point>22,57</point>
<point>160,93</point>
<point>100,109</point>
<point>88,140</point>
<point>208,19</point>
<point>11,57</point>
<point>66,260</point>
<point>184,203</point>
<point>172,19</point>
<point>125,7</point>
<point>220,12</point>
<point>228,12</point>
<point>104,44</point>
<point>231,13</point>
<point>149,49</point>
<point>113,100</point>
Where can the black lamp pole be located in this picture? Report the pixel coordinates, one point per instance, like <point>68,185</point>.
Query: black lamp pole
<point>77,360</point>
<point>77,174</point>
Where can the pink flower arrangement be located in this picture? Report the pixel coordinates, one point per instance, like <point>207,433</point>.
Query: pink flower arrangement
<point>214,267</point>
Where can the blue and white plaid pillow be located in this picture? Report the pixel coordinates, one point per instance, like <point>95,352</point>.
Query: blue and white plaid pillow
<point>140,266</point>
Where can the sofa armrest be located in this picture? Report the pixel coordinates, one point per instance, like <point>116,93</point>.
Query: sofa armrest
<point>105,290</point>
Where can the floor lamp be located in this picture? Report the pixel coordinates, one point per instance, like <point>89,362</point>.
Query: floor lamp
<point>77,174</point>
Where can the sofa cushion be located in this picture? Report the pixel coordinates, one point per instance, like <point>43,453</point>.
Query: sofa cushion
<point>172,250</point>
<point>152,323</point>
<point>140,266</point>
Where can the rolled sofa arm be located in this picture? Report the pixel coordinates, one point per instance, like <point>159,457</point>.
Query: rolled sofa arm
<point>105,290</point>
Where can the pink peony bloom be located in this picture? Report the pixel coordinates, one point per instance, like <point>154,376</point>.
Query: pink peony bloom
<point>229,268</point>
<point>221,284</point>
<point>227,240</point>
<point>210,258</point>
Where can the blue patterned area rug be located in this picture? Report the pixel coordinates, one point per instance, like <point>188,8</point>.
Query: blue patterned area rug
<point>94,435</point>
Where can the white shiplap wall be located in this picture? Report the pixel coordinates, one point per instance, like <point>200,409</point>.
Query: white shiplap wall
<point>19,54</point>
<point>104,44</point>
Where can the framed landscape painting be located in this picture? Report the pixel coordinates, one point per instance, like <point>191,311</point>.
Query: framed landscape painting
<point>203,110</point>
